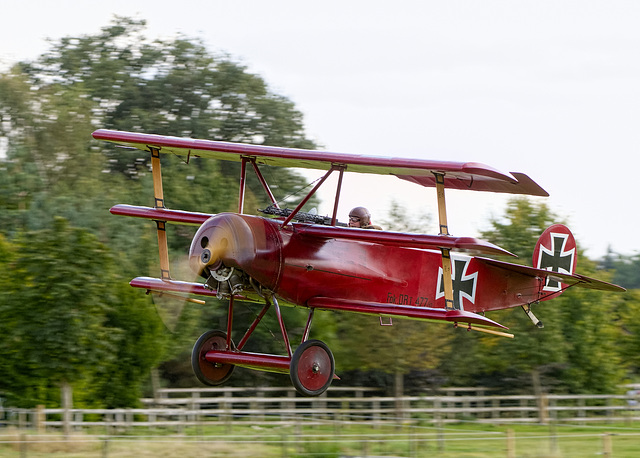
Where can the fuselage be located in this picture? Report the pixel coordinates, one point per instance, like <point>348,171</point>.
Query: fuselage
<point>298,267</point>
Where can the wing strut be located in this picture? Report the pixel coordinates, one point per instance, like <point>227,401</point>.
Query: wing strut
<point>243,179</point>
<point>334,217</point>
<point>263,182</point>
<point>158,195</point>
<point>447,280</point>
<point>308,196</point>
<point>243,185</point>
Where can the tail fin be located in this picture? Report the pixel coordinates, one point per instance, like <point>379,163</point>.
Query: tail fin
<point>555,251</point>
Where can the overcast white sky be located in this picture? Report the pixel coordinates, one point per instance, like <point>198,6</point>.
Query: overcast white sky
<point>548,88</point>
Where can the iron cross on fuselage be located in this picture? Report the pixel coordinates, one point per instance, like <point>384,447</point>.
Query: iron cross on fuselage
<point>464,285</point>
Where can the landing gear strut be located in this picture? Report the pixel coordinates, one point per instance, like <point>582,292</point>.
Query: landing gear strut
<point>311,367</point>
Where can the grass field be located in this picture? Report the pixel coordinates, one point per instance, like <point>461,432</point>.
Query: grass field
<point>338,439</point>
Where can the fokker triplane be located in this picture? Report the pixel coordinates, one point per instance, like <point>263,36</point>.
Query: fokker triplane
<point>289,257</point>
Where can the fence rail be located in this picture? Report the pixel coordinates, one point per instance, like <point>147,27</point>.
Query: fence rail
<point>196,407</point>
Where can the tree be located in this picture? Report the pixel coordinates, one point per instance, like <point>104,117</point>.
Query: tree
<point>628,342</point>
<point>577,338</point>
<point>58,311</point>
<point>625,268</point>
<point>120,79</point>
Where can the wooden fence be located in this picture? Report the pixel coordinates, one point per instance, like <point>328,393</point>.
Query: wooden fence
<point>199,406</point>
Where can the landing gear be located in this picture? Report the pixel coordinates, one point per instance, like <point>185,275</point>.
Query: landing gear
<point>312,368</point>
<point>209,373</point>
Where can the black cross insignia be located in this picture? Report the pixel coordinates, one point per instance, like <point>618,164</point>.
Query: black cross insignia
<point>556,260</point>
<point>462,284</point>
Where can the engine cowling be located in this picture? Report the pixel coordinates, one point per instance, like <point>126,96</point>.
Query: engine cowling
<point>248,243</point>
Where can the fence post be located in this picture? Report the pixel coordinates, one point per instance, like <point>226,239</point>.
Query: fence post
<point>375,415</point>
<point>581,412</point>
<point>39,418</point>
<point>284,445</point>
<point>261,406</point>
<point>23,445</point>
<point>105,448</point>
<point>543,408</point>
<point>438,414</point>
<point>553,441</point>
<point>194,405</point>
<point>607,448</point>
<point>67,405</point>
<point>22,419</point>
<point>495,404</point>
<point>511,444</point>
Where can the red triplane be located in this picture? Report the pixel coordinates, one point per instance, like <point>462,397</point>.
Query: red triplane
<point>298,259</point>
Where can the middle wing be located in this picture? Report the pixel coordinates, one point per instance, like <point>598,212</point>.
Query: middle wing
<point>407,240</point>
<point>461,175</point>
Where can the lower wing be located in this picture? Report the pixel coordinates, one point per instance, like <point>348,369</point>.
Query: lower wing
<point>405,311</point>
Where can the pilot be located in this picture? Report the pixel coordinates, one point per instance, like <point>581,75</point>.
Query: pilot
<point>360,217</point>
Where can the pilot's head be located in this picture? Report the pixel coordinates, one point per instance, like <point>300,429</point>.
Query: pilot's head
<point>359,217</point>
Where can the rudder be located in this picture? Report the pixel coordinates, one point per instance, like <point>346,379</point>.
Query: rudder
<point>555,251</point>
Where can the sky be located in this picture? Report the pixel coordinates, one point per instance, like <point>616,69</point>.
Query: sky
<point>547,88</point>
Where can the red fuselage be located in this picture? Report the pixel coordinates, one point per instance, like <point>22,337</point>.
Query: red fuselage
<point>298,267</point>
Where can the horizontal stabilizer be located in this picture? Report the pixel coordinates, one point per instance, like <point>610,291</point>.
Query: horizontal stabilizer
<point>569,279</point>
<point>402,239</point>
<point>406,311</point>
<point>161,214</point>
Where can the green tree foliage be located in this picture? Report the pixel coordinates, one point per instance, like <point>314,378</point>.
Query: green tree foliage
<point>628,342</point>
<point>518,230</point>
<point>67,312</point>
<point>119,79</point>
<point>51,167</point>
<point>399,219</point>
<point>579,337</point>
<point>625,268</point>
<point>61,309</point>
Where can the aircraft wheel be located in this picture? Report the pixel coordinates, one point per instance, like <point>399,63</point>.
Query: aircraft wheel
<point>312,368</point>
<point>207,372</point>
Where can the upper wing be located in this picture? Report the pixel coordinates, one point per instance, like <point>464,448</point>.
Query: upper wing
<point>467,175</point>
<point>569,279</point>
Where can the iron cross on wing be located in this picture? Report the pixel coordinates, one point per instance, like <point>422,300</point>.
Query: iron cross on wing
<point>464,284</point>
